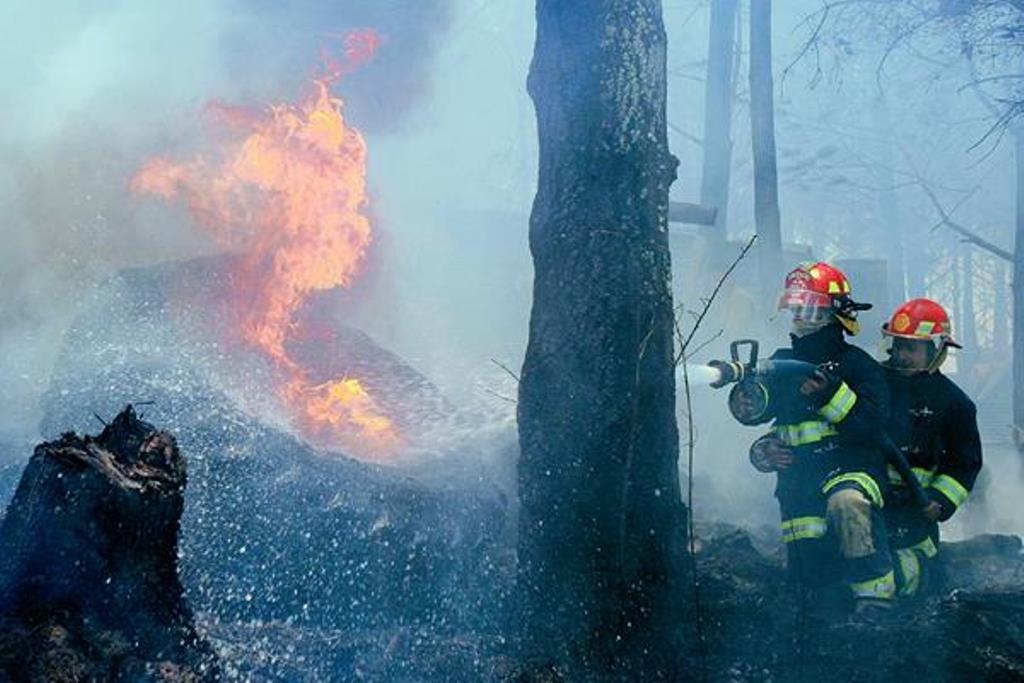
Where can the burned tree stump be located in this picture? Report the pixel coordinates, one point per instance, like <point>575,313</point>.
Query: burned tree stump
<point>89,586</point>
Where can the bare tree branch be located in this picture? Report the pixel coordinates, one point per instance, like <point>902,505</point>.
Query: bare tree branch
<point>505,368</point>
<point>969,235</point>
<point>685,343</point>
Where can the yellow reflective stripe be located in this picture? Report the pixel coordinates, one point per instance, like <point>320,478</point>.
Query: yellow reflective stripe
<point>833,287</point>
<point>804,433</point>
<point>882,587</point>
<point>924,328</point>
<point>840,405</point>
<point>863,479</point>
<point>800,528</point>
<point>910,569</point>
<point>926,547</point>
<point>924,476</point>
<point>950,488</point>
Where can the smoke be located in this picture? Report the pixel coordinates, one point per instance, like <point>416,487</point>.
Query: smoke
<point>92,88</point>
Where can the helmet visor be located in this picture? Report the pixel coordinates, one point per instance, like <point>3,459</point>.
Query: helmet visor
<point>909,355</point>
<point>806,306</point>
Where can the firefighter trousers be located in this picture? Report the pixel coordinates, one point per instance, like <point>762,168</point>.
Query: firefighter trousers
<point>834,529</point>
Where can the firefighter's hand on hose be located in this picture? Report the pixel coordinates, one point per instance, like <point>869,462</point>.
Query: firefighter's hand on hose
<point>819,386</point>
<point>932,512</point>
<point>769,454</point>
<point>940,509</point>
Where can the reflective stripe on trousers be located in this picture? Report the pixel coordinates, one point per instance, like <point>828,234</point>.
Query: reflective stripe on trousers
<point>883,587</point>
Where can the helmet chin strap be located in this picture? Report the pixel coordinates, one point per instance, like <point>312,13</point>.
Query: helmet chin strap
<point>939,358</point>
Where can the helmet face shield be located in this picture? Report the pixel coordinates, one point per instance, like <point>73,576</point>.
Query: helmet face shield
<point>910,356</point>
<point>805,306</point>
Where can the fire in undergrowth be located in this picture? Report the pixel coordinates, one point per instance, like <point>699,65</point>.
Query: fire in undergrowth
<point>286,189</point>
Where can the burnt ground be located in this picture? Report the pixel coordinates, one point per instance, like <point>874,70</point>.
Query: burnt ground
<point>758,627</point>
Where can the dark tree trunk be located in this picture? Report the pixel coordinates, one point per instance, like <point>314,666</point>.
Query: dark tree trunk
<point>602,528</point>
<point>1018,296</point>
<point>762,134</point>
<point>714,180</point>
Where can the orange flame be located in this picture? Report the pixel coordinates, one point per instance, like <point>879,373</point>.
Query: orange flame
<point>291,196</point>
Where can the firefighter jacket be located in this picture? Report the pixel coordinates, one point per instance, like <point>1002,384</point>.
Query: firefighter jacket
<point>934,422</point>
<point>833,435</point>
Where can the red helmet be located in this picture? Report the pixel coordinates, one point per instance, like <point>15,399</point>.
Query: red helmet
<point>922,320</point>
<point>817,292</point>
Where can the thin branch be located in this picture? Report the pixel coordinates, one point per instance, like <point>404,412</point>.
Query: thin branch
<point>497,395</point>
<point>702,346</point>
<point>691,531</point>
<point>988,79</point>
<point>969,235</point>
<point>711,299</point>
<point>812,41</point>
<point>505,368</point>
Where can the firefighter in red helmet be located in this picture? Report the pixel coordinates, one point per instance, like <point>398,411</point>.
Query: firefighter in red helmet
<point>831,476</point>
<point>934,422</point>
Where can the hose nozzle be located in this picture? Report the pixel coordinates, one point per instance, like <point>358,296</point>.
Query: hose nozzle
<point>729,372</point>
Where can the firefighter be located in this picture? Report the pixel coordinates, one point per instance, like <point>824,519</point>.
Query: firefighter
<point>934,422</point>
<point>830,476</point>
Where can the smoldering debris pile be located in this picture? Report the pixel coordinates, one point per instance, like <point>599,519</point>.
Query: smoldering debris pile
<point>89,585</point>
<point>757,627</point>
<point>278,537</point>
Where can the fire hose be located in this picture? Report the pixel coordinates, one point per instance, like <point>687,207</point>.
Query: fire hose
<point>738,370</point>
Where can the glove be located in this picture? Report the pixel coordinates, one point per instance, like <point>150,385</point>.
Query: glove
<point>820,387</point>
<point>769,454</point>
<point>940,509</point>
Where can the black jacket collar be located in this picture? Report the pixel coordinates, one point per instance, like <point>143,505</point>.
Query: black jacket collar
<point>821,346</point>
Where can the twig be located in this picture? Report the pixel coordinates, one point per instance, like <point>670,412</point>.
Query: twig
<point>711,299</point>
<point>684,344</point>
<point>497,395</point>
<point>505,368</point>
<point>969,235</point>
<point>691,532</point>
<point>812,41</point>
<point>703,345</point>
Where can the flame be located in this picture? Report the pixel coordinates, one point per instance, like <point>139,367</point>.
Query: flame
<point>288,190</point>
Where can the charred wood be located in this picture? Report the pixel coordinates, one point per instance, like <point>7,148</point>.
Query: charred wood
<point>89,585</point>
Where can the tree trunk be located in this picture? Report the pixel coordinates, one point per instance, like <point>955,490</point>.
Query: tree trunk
<point>762,123</point>
<point>714,180</point>
<point>893,233</point>
<point>1000,326</point>
<point>1018,296</point>
<point>602,530</point>
<point>968,323</point>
